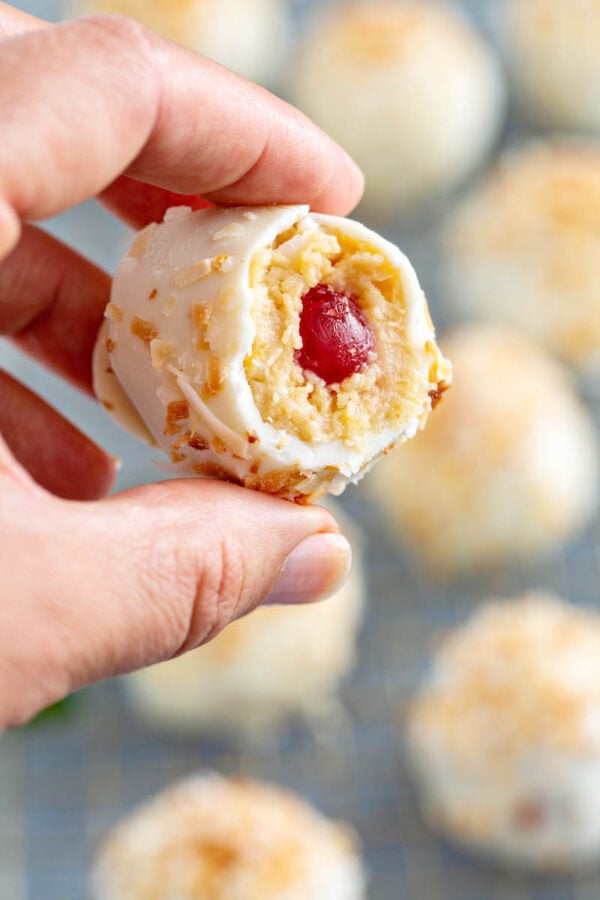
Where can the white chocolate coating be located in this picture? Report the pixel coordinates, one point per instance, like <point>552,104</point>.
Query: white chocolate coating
<point>228,839</point>
<point>503,738</point>
<point>508,466</point>
<point>554,60</point>
<point>524,248</point>
<point>277,663</point>
<point>170,359</point>
<point>248,36</point>
<point>409,89</point>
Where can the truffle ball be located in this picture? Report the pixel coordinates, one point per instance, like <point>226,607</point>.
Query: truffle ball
<point>554,60</point>
<point>503,738</point>
<point>272,665</point>
<point>228,839</point>
<point>410,90</point>
<point>273,347</point>
<point>507,466</point>
<point>524,248</point>
<point>248,36</point>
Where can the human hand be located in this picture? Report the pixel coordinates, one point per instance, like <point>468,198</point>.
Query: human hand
<point>102,107</point>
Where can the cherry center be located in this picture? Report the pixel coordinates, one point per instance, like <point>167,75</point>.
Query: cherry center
<point>336,340</point>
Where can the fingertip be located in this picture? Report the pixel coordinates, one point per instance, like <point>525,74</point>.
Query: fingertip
<point>10,228</point>
<point>345,187</point>
<point>356,182</point>
<point>315,569</point>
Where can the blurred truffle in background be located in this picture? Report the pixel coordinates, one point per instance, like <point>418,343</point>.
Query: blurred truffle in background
<point>507,466</point>
<point>248,36</point>
<point>228,839</point>
<point>554,58</point>
<point>503,738</point>
<point>524,248</point>
<point>271,666</point>
<point>409,89</point>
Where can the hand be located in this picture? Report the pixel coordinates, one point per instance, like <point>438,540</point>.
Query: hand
<point>102,107</point>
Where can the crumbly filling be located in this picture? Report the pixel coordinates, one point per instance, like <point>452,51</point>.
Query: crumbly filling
<point>383,394</point>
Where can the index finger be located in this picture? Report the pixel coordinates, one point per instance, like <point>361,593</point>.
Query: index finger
<point>15,21</point>
<point>135,202</point>
<point>85,101</point>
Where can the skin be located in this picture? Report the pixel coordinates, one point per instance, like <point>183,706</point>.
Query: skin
<point>94,585</point>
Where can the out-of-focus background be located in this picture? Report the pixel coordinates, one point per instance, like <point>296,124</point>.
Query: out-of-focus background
<point>500,500</point>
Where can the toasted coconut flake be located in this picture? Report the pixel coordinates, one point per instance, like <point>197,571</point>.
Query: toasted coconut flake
<point>177,213</point>
<point>177,411</point>
<point>169,306</point>
<point>113,312</point>
<point>214,470</point>
<point>160,351</point>
<point>197,442</point>
<point>144,330</point>
<point>232,230</point>
<point>138,248</point>
<point>214,375</point>
<point>199,270</point>
<point>201,313</point>
<point>212,425</point>
<point>219,445</point>
<point>222,263</point>
<point>283,481</point>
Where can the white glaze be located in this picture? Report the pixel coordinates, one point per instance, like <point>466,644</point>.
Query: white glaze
<point>175,264</point>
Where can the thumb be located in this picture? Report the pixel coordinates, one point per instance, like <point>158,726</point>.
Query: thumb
<point>145,575</point>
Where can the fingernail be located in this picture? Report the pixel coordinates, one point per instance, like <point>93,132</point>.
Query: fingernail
<point>315,569</point>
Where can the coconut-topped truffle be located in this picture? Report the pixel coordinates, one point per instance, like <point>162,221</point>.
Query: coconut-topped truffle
<point>248,36</point>
<point>504,736</point>
<point>554,60</point>
<point>524,248</point>
<point>264,669</point>
<point>228,839</point>
<point>273,347</point>
<point>508,465</point>
<point>409,89</point>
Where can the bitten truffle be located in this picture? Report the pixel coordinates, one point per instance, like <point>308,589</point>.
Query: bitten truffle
<point>279,349</point>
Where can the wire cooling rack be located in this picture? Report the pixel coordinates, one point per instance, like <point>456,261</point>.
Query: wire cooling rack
<point>65,781</point>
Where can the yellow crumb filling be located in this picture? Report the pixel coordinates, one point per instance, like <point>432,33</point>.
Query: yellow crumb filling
<point>384,394</point>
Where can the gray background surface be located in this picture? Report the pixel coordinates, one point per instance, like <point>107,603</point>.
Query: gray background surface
<point>63,782</point>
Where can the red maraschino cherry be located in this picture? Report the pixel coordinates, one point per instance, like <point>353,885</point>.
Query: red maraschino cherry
<point>336,340</point>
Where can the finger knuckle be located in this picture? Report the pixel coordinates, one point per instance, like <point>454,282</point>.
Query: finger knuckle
<point>118,29</point>
<point>221,590</point>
